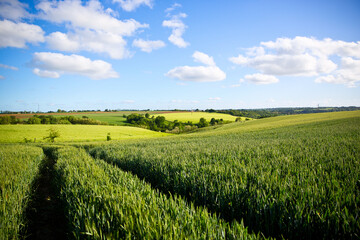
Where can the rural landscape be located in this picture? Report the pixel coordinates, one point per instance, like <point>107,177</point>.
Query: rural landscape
<point>179,119</point>
<point>289,176</point>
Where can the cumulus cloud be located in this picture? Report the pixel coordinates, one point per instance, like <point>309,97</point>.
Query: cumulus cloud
<point>348,74</point>
<point>209,73</point>
<point>45,73</point>
<point>18,34</point>
<point>13,10</point>
<point>261,79</point>
<point>8,67</point>
<point>131,5</point>
<point>148,46</point>
<point>178,29</point>
<point>88,40</point>
<point>61,41</point>
<point>89,16</point>
<point>52,65</point>
<point>300,56</point>
<point>91,28</point>
<point>203,58</point>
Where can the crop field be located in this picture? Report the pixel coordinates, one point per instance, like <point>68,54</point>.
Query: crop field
<point>113,118</point>
<point>292,177</point>
<point>195,116</point>
<point>19,166</point>
<point>70,133</point>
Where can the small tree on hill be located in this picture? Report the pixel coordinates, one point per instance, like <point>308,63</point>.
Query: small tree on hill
<point>53,133</point>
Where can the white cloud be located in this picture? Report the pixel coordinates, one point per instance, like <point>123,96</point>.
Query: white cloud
<point>50,64</point>
<point>203,58</point>
<point>13,10</point>
<point>45,73</point>
<point>91,28</point>
<point>209,73</point>
<point>319,48</point>
<point>173,7</point>
<point>18,34</point>
<point>301,56</point>
<point>88,40</point>
<point>148,46</point>
<point>8,67</point>
<point>131,5</point>
<point>178,29</point>
<point>61,41</point>
<point>287,65</point>
<point>348,74</point>
<point>261,79</point>
<point>2,77</point>
<point>89,16</point>
<point>197,74</point>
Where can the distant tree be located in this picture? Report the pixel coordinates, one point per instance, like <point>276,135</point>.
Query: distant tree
<point>108,137</point>
<point>212,122</point>
<point>160,120</point>
<point>5,120</point>
<point>147,115</point>
<point>203,123</point>
<point>53,133</point>
<point>34,120</point>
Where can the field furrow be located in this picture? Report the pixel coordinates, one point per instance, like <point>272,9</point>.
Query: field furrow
<point>298,182</point>
<point>104,202</point>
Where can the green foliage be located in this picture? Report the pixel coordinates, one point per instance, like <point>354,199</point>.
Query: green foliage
<point>19,166</point>
<point>108,137</point>
<point>53,133</point>
<point>159,123</point>
<point>203,123</point>
<point>298,178</point>
<point>9,120</point>
<point>104,202</point>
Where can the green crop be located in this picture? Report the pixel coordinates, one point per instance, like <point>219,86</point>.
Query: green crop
<point>71,133</point>
<point>293,177</point>
<point>105,203</point>
<point>19,166</point>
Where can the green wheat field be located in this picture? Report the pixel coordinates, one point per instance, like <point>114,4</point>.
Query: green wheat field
<point>286,177</point>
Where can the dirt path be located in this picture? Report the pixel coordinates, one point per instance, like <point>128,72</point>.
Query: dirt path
<point>45,213</point>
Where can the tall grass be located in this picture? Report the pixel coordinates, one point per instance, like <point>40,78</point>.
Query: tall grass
<point>299,181</point>
<point>19,166</point>
<point>107,203</point>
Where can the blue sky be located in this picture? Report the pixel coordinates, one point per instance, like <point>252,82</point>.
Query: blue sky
<point>152,54</point>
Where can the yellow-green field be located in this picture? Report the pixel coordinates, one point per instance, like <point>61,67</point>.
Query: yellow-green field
<point>195,116</point>
<point>70,133</point>
<point>283,121</point>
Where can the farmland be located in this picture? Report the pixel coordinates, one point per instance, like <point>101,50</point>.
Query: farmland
<point>195,116</point>
<point>73,133</point>
<point>295,177</point>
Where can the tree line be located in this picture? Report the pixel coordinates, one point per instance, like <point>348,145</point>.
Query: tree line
<point>273,112</point>
<point>48,119</point>
<point>159,123</point>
